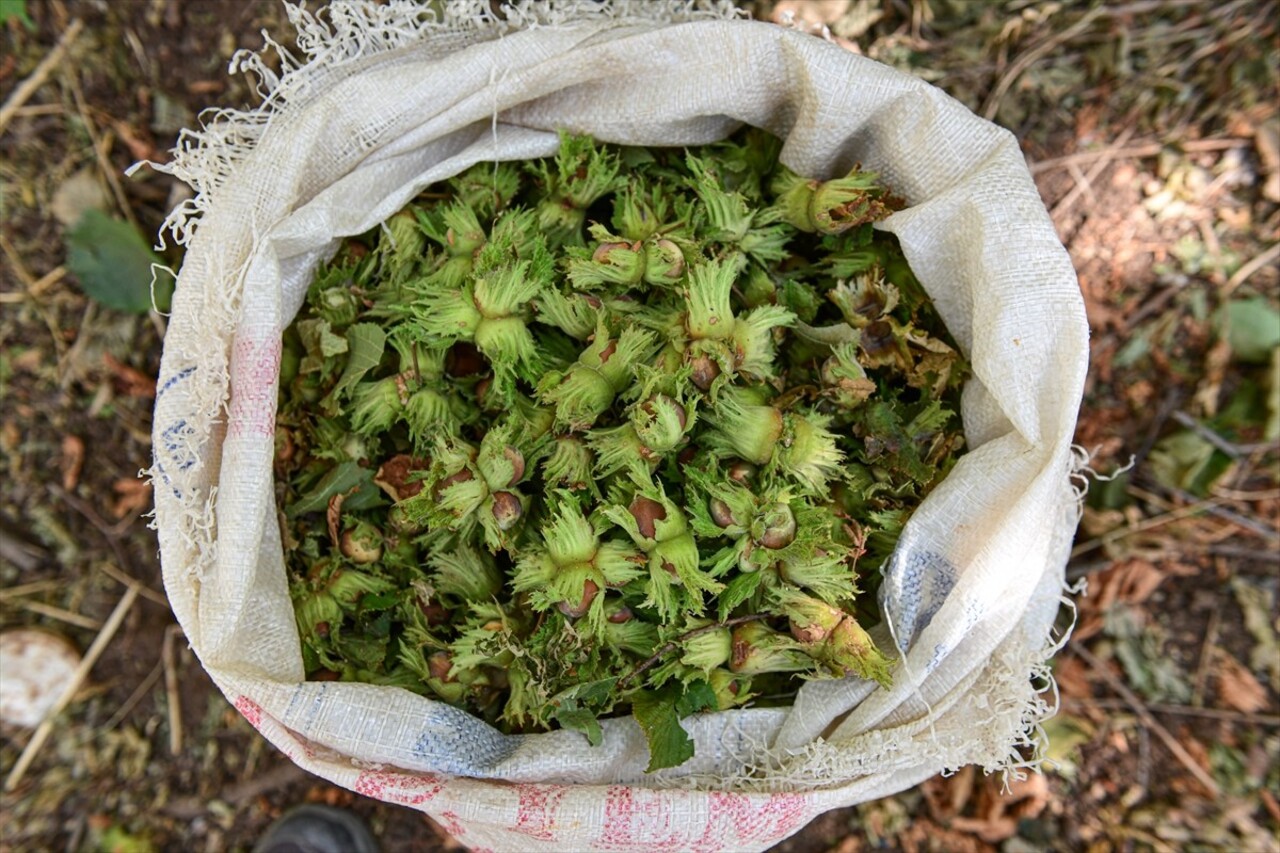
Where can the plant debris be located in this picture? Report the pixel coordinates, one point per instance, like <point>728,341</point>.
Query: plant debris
<point>622,430</point>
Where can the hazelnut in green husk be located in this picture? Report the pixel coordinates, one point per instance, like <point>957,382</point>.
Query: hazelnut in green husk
<point>619,431</point>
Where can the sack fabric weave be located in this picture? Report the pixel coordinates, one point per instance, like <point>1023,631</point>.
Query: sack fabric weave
<point>387,99</point>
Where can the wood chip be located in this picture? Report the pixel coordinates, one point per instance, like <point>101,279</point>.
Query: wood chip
<point>72,461</point>
<point>1238,687</point>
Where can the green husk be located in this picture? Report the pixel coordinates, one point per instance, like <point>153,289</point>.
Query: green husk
<point>567,441</point>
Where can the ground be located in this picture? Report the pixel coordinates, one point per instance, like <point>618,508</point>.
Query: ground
<point>1152,131</point>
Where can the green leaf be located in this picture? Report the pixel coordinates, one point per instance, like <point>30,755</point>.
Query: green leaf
<point>367,496</point>
<point>379,602</point>
<point>929,420</point>
<point>364,651</point>
<point>113,264</point>
<point>365,344</point>
<point>590,692</point>
<point>340,480</point>
<point>669,744</point>
<point>321,344</point>
<point>117,839</point>
<point>1252,328</point>
<point>571,714</point>
<point>1186,461</point>
<point>580,720</point>
<point>698,696</point>
<point>16,10</point>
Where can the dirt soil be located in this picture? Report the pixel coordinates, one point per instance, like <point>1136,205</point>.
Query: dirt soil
<point>1151,128</point>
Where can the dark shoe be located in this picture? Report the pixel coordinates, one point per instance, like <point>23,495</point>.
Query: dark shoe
<point>317,829</point>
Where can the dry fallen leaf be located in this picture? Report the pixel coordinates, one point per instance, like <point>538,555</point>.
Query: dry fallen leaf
<point>72,461</point>
<point>1131,581</point>
<point>1000,811</point>
<point>129,381</point>
<point>1186,783</point>
<point>1072,675</point>
<point>1267,141</point>
<point>132,495</point>
<point>948,795</point>
<point>1238,687</point>
<point>924,836</point>
<point>140,148</point>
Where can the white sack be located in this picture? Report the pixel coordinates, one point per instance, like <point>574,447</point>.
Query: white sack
<point>386,102</point>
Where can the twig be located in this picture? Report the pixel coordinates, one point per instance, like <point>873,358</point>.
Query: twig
<point>1144,758</point>
<point>1082,181</point>
<point>1250,524</point>
<point>673,644</point>
<point>60,614</point>
<point>111,534</point>
<point>29,282</point>
<point>36,79</point>
<point>36,287</point>
<point>1137,152</point>
<point>1075,571</point>
<point>128,580</point>
<point>1031,57</point>
<point>1154,304</point>
<point>1201,680</point>
<point>189,808</point>
<point>100,150</point>
<point>171,690</point>
<point>1247,495</point>
<point>135,697</point>
<point>1068,201</point>
<point>26,556</point>
<point>90,658</point>
<point>1145,525</point>
<point>46,281</point>
<point>1208,435</point>
<point>28,588</point>
<point>1132,700</point>
<point>1183,711</point>
<point>1241,275</point>
<point>1260,555</point>
<point>1169,404</point>
<point>15,259</point>
<point>38,110</point>
<point>76,837</point>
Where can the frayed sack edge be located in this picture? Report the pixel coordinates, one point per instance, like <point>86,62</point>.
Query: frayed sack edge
<point>342,33</point>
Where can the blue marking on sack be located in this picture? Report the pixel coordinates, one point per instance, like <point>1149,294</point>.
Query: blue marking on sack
<point>169,437</point>
<point>916,583</point>
<point>452,741</point>
<point>316,693</point>
<point>174,380</point>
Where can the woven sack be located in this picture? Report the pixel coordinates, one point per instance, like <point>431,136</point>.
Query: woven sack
<point>387,99</point>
